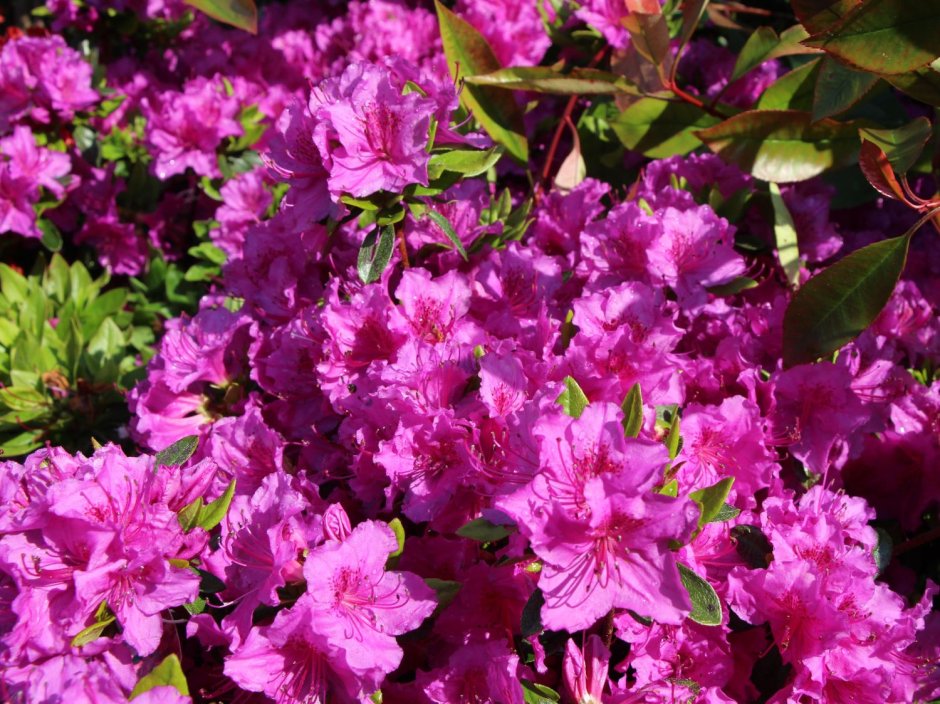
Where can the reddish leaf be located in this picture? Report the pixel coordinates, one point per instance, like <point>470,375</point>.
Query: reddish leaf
<point>819,15</point>
<point>877,169</point>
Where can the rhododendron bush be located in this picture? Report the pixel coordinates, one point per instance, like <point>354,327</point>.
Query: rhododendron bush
<point>511,351</point>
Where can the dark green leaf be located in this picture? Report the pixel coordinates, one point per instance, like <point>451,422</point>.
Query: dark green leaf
<point>445,589</point>
<point>903,145</point>
<point>211,514</point>
<point>238,13</point>
<point>168,673</point>
<point>51,236</point>
<point>836,305</point>
<point>376,253</point>
<point>466,162</point>
<point>484,531</point>
<point>752,545</point>
<point>706,607</point>
<point>736,285</point>
<point>208,582</point>
<point>793,90</point>
<point>532,614</point>
<point>884,36</point>
<point>468,54</point>
<point>883,549</point>
<point>755,51</point>
<point>572,399</point>
<point>448,231</point>
<point>922,84</point>
<point>544,79</point>
<point>661,128</point>
<point>177,453</point>
<point>633,412</point>
<point>819,15</point>
<point>788,251</point>
<point>783,145</point>
<point>839,87</point>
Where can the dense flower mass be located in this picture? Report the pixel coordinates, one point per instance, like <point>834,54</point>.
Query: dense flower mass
<point>413,422</point>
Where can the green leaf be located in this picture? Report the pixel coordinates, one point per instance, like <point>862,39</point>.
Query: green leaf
<point>208,582</point>
<point>468,54</point>
<point>783,145</point>
<point>726,513</point>
<point>92,633</point>
<point>633,412</point>
<point>706,607</point>
<point>189,514</point>
<point>177,453</point>
<point>711,500</point>
<point>818,15</point>
<point>756,50</point>
<point>752,545</point>
<point>670,488</point>
<point>903,145</point>
<point>168,673</point>
<point>466,162</point>
<point>51,236</point>
<point>836,305</point>
<point>788,250</point>
<point>484,531</point>
<point>735,286</point>
<point>572,399</point>
<point>448,230</point>
<point>793,90</point>
<point>839,87</point>
<point>884,36</point>
<point>673,439</point>
<point>374,255</point>
<point>238,13</point>
<point>399,530</point>
<point>544,79</point>
<point>882,550</point>
<point>532,614</point>
<point>211,514</point>
<point>660,128</point>
<point>534,693</point>
<point>196,607</point>
<point>445,589</point>
<point>922,84</point>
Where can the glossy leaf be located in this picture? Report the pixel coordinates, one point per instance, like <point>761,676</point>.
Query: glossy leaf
<point>792,91</point>
<point>544,79</point>
<point>177,453</point>
<point>922,84</point>
<point>788,250</point>
<point>660,128</point>
<point>836,305</point>
<point>238,13</point>
<point>468,54</point>
<point>572,399</point>
<point>753,546</point>
<point>633,412</point>
<point>903,145</point>
<point>375,253</point>
<point>755,51</point>
<point>466,162</point>
<point>448,230</point>
<point>819,15</point>
<point>839,87</point>
<point>782,145</point>
<point>484,531</point>
<point>532,614</point>
<point>706,606</point>
<point>535,693</point>
<point>884,36</point>
<point>168,673</point>
<point>877,169</point>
